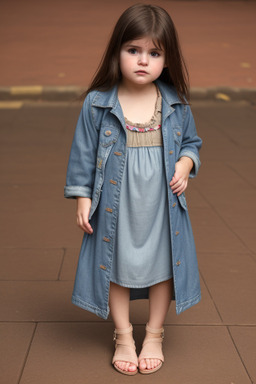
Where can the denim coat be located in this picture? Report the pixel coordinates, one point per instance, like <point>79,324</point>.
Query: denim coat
<point>95,169</point>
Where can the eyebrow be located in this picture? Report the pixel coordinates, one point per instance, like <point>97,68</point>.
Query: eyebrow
<point>137,46</point>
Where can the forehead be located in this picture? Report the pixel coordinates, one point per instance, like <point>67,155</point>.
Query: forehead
<point>143,42</point>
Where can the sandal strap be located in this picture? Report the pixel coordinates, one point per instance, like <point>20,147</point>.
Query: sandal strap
<point>151,355</point>
<point>124,331</point>
<point>155,340</point>
<point>127,357</point>
<point>159,331</point>
<point>148,354</point>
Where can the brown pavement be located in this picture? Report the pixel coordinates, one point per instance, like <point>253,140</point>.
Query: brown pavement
<point>46,339</point>
<point>56,43</point>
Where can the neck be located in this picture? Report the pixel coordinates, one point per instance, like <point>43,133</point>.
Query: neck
<point>135,89</point>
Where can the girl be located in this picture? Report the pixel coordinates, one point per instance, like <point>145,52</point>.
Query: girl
<point>134,148</point>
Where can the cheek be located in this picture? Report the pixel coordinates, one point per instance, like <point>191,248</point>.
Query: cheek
<point>126,64</point>
<point>123,61</point>
<point>159,67</point>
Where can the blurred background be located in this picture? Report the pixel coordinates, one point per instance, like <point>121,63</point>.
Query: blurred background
<point>49,52</point>
<point>61,42</point>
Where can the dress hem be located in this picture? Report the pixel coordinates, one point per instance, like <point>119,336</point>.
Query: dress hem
<point>127,285</point>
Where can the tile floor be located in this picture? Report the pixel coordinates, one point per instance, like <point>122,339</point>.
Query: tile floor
<point>46,339</point>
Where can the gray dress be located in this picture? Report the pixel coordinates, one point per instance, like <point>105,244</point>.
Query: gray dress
<point>142,254</point>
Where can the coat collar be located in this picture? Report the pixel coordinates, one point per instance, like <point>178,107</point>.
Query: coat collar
<point>109,99</point>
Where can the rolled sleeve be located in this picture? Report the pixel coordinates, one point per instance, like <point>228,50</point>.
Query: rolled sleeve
<point>73,191</point>
<point>191,142</point>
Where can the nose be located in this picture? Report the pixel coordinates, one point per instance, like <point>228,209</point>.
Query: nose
<point>143,59</point>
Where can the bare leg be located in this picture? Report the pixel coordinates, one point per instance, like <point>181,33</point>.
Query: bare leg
<point>119,302</point>
<point>159,301</point>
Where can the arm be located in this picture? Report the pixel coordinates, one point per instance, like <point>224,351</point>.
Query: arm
<point>188,163</point>
<point>82,160</point>
<point>191,143</point>
<point>179,181</point>
<point>82,214</point>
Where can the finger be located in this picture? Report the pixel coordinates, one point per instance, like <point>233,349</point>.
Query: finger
<point>88,228</point>
<point>175,178</point>
<point>183,190</point>
<point>179,188</point>
<point>84,224</point>
<point>177,184</point>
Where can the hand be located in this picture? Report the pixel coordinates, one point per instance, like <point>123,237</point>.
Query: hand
<point>82,214</point>
<point>179,181</point>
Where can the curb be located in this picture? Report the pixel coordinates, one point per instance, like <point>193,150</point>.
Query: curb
<point>224,94</point>
<point>38,92</point>
<point>72,93</point>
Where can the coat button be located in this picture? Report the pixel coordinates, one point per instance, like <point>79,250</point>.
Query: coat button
<point>108,133</point>
<point>174,205</point>
<point>170,152</point>
<point>178,133</point>
<point>178,263</point>
<point>176,233</point>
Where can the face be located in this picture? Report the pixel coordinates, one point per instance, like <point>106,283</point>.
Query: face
<point>141,62</point>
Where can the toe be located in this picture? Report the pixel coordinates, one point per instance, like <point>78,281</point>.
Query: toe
<point>121,365</point>
<point>132,368</point>
<point>156,363</point>
<point>143,364</point>
<point>126,366</point>
<point>148,363</point>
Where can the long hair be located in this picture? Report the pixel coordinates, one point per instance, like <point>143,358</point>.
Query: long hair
<point>136,22</point>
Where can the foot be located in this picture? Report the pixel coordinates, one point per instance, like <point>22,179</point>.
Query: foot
<point>125,359</point>
<point>151,357</point>
<point>149,363</point>
<point>122,349</point>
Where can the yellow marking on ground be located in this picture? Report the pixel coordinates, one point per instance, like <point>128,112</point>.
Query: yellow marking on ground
<point>29,90</point>
<point>222,96</point>
<point>245,65</point>
<point>11,104</point>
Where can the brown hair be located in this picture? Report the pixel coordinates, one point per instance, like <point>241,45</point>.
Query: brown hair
<point>138,21</point>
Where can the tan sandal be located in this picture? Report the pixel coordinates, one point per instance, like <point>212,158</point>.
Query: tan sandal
<point>152,349</point>
<point>124,351</point>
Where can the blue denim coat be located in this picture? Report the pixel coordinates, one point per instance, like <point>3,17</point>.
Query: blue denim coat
<point>95,169</point>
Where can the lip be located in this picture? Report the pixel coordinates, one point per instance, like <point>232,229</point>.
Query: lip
<point>140,72</point>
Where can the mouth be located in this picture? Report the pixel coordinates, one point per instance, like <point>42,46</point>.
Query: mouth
<point>140,72</point>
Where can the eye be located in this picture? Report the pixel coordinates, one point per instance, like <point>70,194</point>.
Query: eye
<point>155,54</point>
<point>132,51</point>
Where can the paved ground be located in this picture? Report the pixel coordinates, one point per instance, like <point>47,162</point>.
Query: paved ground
<point>54,42</point>
<point>46,339</point>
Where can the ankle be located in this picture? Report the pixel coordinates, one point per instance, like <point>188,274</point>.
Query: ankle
<point>154,327</point>
<point>151,336</point>
<point>123,328</point>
